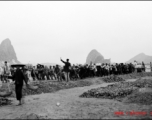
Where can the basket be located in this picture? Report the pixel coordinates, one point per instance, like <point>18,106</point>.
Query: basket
<point>31,87</point>
<point>6,94</point>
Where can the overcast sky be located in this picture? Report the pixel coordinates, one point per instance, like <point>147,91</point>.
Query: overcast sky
<point>44,31</point>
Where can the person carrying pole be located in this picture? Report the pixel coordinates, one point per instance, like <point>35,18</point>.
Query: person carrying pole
<point>19,77</point>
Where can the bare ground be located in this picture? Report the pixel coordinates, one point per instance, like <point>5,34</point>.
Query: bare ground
<point>72,106</point>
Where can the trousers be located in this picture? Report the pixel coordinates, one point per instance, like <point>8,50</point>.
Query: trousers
<point>18,91</point>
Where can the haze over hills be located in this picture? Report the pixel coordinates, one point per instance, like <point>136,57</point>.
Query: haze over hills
<point>141,57</point>
<point>7,52</point>
<point>95,57</point>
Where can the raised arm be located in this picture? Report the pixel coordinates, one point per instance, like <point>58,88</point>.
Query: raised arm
<point>63,61</point>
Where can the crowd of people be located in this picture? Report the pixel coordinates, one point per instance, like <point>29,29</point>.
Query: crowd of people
<point>66,73</point>
<point>73,72</point>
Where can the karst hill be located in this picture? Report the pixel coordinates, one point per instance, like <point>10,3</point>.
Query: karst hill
<point>7,52</point>
<point>95,57</point>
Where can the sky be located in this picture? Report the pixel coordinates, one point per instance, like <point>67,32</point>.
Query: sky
<point>44,31</point>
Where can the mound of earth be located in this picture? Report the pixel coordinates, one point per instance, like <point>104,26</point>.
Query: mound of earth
<point>135,75</point>
<point>143,90</point>
<point>119,90</point>
<point>109,92</point>
<point>119,78</point>
<point>112,78</point>
<point>4,101</point>
<point>140,83</point>
<point>31,116</point>
<point>143,83</point>
<point>143,98</point>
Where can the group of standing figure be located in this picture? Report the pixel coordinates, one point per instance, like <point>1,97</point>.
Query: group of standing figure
<point>75,72</point>
<point>67,72</point>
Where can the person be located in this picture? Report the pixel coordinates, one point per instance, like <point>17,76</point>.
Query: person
<point>143,66</point>
<point>19,77</point>
<point>151,66</point>
<point>52,73</point>
<point>1,73</point>
<point>33,74</point>
<point>67,69</point>
<point>135,65</point>
<point>58,73</point>
<point>6,71</point>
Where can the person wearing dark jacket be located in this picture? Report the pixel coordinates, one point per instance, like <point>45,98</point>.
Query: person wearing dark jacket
<point>19,77</point>
<point>67,69</point>
<point>143,66</point>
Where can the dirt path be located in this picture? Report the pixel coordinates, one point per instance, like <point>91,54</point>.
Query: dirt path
<point>71,106</point>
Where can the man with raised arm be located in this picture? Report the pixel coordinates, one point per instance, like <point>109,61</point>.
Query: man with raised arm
<point>67,69</point>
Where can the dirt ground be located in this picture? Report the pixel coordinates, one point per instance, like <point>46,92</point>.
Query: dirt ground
<point>72,106</point>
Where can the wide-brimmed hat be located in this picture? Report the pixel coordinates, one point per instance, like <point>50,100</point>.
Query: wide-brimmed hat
<point>17,65</point>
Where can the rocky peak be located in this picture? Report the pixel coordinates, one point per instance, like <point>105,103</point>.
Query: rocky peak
<point>7,52</point>
<point>93,56</point>
<point>143,54</point>
<point>6,41</point>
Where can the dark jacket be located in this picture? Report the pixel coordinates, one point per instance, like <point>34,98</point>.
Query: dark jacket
<point>67,66</point>
<point>18,77</point>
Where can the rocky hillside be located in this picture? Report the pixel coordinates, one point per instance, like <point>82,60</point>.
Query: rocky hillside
<point>7,52</point>
<point>141,57</point>
<point>95,57</point>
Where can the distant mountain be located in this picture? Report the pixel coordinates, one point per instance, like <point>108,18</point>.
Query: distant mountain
<point>141,57</point>
<point>95,57</point>
<point>7,52</point>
